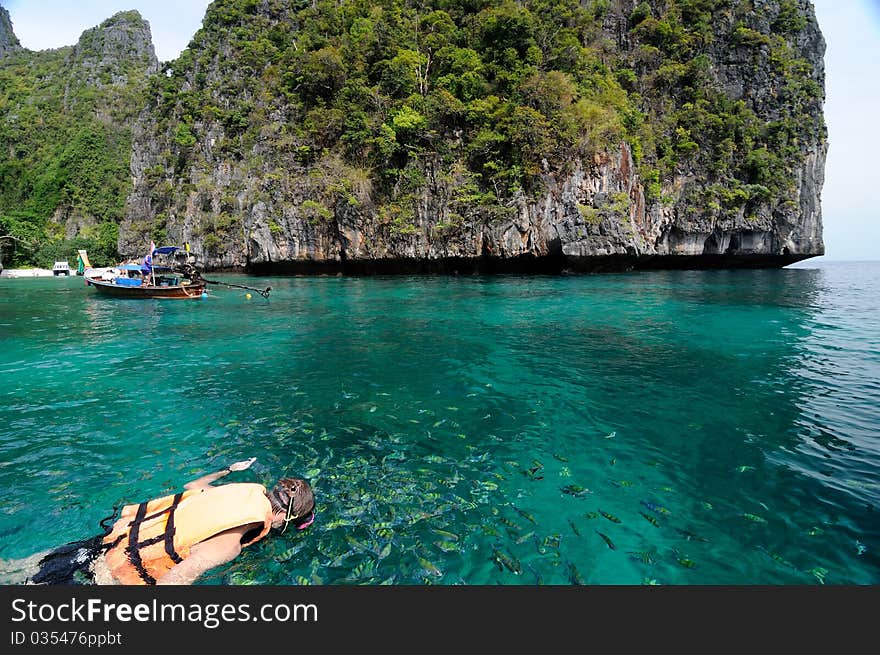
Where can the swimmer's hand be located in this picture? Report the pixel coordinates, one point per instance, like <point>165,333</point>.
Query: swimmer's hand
<point>242,465</point>
<point>205,481</point>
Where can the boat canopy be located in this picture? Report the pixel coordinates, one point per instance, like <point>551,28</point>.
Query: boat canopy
<point>166,250</point>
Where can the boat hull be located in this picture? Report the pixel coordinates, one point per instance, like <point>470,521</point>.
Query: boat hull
<point>180,292</point>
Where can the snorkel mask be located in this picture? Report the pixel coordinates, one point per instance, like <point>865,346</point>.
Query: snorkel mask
<point>290,517</point>
<point>291,492</point>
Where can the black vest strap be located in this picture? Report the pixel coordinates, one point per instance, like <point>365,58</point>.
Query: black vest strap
<point>169,531</point>
<point>133,549</point>
<point>113,544</point>
<point>163,511</point>
<point>134,546</point>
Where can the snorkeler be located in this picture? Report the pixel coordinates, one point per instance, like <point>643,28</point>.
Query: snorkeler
<point>174,539</point>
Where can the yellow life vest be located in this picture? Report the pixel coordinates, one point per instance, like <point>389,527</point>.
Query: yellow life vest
<point>150,538</point>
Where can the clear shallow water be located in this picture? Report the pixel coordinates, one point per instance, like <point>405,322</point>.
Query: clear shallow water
<point>713,427</point>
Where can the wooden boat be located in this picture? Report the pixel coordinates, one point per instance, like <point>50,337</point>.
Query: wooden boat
<point>184,289</point>
<point>148,280</point>
<point>170,276</point>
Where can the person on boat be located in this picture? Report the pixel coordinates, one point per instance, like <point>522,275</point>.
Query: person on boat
<point>174,539</point>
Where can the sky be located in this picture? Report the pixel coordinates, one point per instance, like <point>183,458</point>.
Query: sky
<point>851,219</point>
<point>42,24</point>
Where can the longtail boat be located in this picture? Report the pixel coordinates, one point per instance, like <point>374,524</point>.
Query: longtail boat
<point>170,276</point>
<point>149,279</point>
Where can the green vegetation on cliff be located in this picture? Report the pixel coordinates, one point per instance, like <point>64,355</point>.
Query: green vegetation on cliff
<point>362,96</point>
<point>65,131</point>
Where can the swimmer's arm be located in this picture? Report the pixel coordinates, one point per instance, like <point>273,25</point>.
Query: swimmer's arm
<point>204,556</point>
<point>206,480</point>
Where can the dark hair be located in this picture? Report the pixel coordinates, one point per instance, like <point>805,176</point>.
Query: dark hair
<point>297,490</point>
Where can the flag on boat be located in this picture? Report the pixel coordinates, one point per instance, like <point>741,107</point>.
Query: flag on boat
<point>148,260</point>
<point>82,262</point>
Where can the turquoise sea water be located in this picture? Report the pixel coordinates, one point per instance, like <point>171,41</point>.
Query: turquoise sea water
<point>667,427</point>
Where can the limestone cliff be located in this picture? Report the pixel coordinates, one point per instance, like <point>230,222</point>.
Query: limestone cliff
<point>292,137</point>
<point>109,53</point>
<point>65,138</point>
<point>8,41</point>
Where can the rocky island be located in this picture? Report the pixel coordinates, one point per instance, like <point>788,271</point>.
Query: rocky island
<point>382,137</point>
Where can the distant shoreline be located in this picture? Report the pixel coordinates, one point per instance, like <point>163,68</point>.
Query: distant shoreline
<point>46,272</point>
